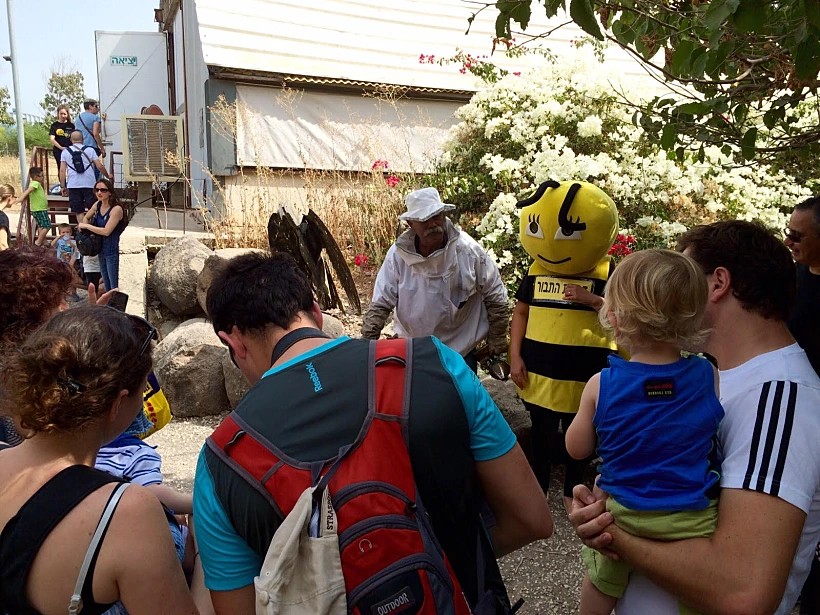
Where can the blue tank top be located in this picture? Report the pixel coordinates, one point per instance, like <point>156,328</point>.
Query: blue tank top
<point>110,244</point>
<point>657,429</point>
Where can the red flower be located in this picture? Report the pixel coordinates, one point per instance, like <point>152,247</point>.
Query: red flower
<point>392,181</point>
<point>623,246</point>
<point>360,260</point>
<point>379,165</point>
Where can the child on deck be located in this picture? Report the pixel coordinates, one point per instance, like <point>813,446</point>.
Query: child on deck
<point>38,203</point>
<point>656,416</point>
<point>65,245</point>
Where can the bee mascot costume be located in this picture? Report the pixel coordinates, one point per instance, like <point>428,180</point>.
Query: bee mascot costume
<point>557,342</point>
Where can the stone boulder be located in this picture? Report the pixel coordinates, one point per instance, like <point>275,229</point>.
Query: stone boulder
<point>188,364</point>
<point>505,397</point>
<point>236,385</point>
<point>212,263</point>
<point>332,326</point>
<point>174,274</point>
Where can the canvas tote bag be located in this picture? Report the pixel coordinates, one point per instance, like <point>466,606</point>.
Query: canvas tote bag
<point>302,571</point>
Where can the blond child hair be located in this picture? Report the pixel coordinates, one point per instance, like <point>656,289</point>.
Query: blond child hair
<point>656,295</point>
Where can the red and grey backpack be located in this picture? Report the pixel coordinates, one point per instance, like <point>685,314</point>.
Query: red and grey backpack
<point>391,560</point>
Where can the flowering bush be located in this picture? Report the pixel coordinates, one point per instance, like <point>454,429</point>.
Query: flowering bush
<point>567,121</point>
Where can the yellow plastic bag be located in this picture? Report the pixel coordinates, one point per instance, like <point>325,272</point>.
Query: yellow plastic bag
<point>155,406</point>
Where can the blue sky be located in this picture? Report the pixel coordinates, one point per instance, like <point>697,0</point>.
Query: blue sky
<point>48,29</point>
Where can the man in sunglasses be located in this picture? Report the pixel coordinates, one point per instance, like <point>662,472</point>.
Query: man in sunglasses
<point>803,239</point>
<point>769,508</point>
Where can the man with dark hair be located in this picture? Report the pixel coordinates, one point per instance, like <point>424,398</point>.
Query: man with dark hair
<point>803,239</point>
<point>311,400</point>
<point>769,511</point>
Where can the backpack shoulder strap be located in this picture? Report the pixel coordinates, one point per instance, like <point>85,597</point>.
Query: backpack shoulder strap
<point>391,379</point>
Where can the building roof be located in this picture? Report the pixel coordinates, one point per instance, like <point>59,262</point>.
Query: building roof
<point>363,41</point>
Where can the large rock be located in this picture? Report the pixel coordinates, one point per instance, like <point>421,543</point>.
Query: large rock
<point>506,398</point>
<point>212,263</point>
<point>188,364</point>
<point>236,385</point>
<point>175,272</point>
<point>332,326</point>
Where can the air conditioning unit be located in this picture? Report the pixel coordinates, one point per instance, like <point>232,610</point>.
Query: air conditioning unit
<point>148,141</point>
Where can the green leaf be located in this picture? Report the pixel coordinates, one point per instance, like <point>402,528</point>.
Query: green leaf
<point>623,32</point>
<point>748,143</point>
<point>582,13</point>
<point>718,11</point>
<point>807,59</point>
<point>717,58</point>
<point>502,26</point>
<point>681,153</point>
<point>773,116</point>
<point>701,154</point>
<point>750,16</point>
<point>697,62</point>
<point>669,136</point>
<point>727,150</point>
<point>812,12</point>
<point>680,58</point>
<point>516,10</point>
<point>694,108</point>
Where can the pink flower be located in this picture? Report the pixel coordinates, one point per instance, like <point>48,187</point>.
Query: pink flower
<point>379,165</point>
<point>392,181</point>
<point>517,73</point>
<point>360,260</point>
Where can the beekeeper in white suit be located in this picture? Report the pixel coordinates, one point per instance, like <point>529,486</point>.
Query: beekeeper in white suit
<point>440,282</point>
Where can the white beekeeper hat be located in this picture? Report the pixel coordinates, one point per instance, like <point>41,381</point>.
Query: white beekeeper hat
<point>424,204</point>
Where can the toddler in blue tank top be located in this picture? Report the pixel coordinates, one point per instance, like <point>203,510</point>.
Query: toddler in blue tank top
<point>654,418</point>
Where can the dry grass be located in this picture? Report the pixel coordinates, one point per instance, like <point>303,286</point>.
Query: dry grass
<point>359,208</point>
<point>10,172</point>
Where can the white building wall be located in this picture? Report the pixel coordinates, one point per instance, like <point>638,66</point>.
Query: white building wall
<point>196,75</point>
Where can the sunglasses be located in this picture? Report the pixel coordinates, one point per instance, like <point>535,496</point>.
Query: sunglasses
<point>145,331</point>
<point>792,236</point>
<point>101,190</point>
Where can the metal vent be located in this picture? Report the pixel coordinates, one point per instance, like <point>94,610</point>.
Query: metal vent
<point>150,140</point>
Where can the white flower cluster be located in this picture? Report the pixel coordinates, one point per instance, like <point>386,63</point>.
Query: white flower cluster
<point>564,121</point>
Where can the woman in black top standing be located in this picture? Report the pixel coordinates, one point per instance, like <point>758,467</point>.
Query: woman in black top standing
<point>60,132</point>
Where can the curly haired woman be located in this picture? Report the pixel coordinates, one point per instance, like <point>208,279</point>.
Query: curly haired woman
<point>74,385</point>
<point>33,286</point>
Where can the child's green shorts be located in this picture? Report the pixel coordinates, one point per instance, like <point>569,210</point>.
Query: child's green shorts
<point>610,576</point>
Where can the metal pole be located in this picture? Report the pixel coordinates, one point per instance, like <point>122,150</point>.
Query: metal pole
<point>18,107</point>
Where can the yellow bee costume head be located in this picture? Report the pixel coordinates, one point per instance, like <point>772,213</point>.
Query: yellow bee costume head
<point>568,227</point>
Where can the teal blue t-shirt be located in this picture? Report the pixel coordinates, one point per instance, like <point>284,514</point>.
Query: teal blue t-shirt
<point>230,563</point>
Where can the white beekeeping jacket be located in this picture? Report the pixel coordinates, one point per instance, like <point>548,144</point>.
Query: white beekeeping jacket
<point>442,294</point>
